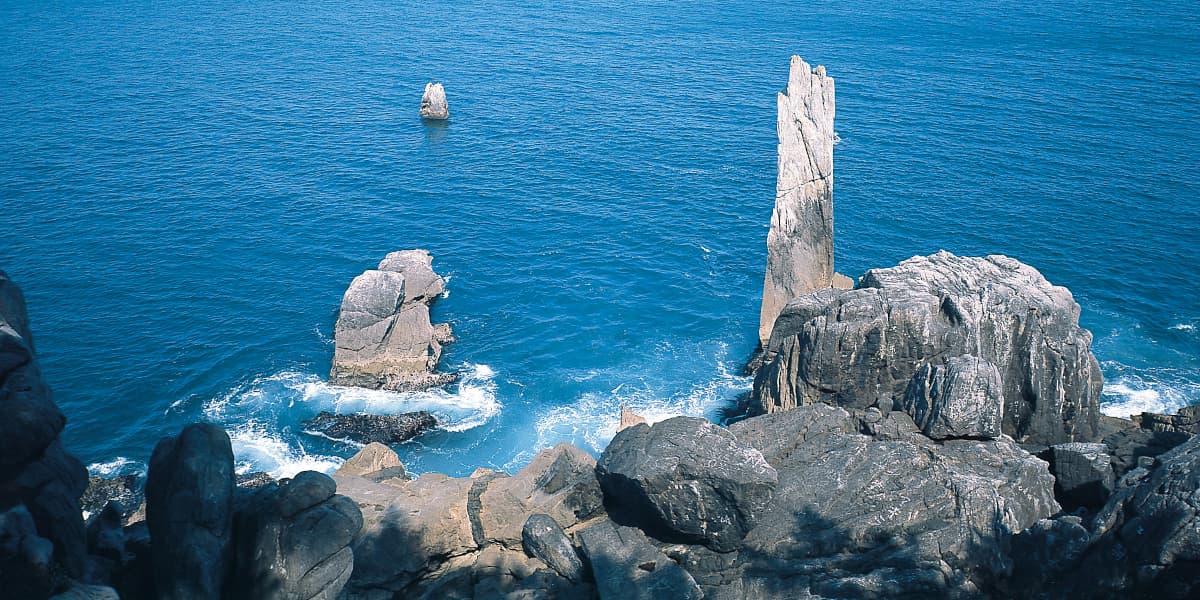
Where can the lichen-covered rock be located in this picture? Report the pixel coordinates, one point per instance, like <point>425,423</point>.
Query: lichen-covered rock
<point>800,241</point>
<point>189,510</point>
<point>293,540</point>
<point>433,102</point>
<point>628,567</point>
<point>686,479</point>
<point>544,540</point>
<point>383,338</point>
<point>961,399</point>
<point>861,347</point>
<point>892,516</point>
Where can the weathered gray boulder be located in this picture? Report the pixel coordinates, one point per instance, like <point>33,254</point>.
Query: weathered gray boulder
<point>433,102</point>
<point>627,566</point>
<point>189,510</point>
<point>410,529</point>
<point>293,540</point>
<point>800,241</point>
<point>962,398</point>
<point>367,429</point>
<point>559,482</point>
<point>861,347</point>
<point>686,479</point>
<point>890,516</point>
<point>1083,474</point>
<point>373,458</point>
<point>544,540</point>
<point>383,338</point>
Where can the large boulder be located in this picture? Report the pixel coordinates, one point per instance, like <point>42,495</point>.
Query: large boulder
<point>685,479</point>
<point>293,540</point>
<point>383,338</point>
<point>861,347</point>
<point>368,429</point>
<point>189,511</point>
<point>1083,474</point>
<point>891,515</point>
<point>374,458</point>
<point>800,241</point>
<point>627,566</point>
<point>26,559</point>
<point>544,540</point>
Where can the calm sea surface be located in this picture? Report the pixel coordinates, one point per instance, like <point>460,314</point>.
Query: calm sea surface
<point>186,189</point>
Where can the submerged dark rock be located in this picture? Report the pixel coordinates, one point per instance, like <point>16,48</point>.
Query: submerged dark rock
<point>366,429</point>
<point>125,490</point>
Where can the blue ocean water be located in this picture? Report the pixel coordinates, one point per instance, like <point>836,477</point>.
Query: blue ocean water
<point>186,189</point>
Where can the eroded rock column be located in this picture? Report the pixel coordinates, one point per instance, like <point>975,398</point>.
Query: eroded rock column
<point>800,242</point>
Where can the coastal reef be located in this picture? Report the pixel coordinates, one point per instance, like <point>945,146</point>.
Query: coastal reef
<point>933,432</point>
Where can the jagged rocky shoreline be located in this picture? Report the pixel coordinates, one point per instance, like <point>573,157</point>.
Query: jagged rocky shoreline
<point>932,432</point>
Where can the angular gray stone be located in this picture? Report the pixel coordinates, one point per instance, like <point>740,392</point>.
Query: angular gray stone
<point>899,515</point>
<point>963,398</point>
<point>559,482</point>
<point>800,241</point>
<point>189,510</point>
<point>860,348</point>
<point>627,567</point>
<point>374,457</point>
<point>433,102</point>
<point>544,540</point>
<point>686,479</point>
<point>293,540</point>
<point>383,338</point>
<point>1083,474</point>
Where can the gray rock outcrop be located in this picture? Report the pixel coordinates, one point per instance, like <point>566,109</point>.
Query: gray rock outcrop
<point>36,472</point>
<point>189,511</point>
<point>892,515</point>
<point>383,338</point>
<point>627,566</point>
<point>544,540</point>
<point>862,347</point>
<point>963,398</point>
<point>686,479</point>
<point>368,429</point>
<point>373,458</point>
<point>293,540</point>
<point>1083,474</point>
<point>800,241</point>
<point>433,102</point>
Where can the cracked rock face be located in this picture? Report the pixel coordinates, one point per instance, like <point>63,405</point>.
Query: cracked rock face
<point>686,479</point>
<point>383,337</point>
<point>861,347</point>
<point>800,241</point>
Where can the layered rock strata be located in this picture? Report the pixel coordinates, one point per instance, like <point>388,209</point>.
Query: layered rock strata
<point>800,241</point>
<point>383,338</point>
<point>864,347</point>
<point>433,103</point>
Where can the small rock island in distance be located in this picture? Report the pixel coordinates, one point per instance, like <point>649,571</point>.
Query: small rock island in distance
<point>930,429</point>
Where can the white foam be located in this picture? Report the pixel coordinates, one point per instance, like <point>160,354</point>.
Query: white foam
<point>117,466</point>
<point>471,404</point>
<point>1132,401</point>
<point>256,449</point>
<point>1183,327</point>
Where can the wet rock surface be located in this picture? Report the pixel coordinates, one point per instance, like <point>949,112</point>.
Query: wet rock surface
<point>368,429</point>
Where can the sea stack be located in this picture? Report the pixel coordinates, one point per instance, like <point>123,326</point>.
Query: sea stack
<point>383,338</point>
<point>433,103</point>
<point>800,242</point>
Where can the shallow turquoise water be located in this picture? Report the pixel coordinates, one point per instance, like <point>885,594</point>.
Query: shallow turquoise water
<point>186,191</point>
